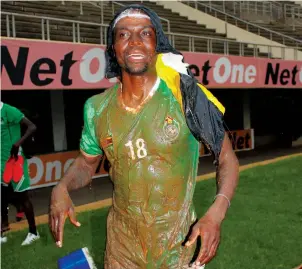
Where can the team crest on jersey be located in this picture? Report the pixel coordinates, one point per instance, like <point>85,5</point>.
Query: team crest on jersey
<point>171,128</point>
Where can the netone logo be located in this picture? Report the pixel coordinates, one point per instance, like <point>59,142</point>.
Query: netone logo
<point>48,67</point>
<point>49,170</point>
<point>224,71</point>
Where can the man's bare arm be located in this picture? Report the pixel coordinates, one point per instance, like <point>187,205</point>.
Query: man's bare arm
<point>226,178</point>
<point>31,128</point>
<point>208,227</point>
<point>80,173</point>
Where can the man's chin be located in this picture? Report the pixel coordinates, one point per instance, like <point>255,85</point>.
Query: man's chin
<point>136,71</point>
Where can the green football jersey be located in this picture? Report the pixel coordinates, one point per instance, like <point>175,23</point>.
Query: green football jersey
<point>10,130</point>
<point>10,134</point>
<point>154,160</point>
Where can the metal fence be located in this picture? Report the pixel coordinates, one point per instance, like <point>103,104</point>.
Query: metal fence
<point>248,25</point>
<point>46,23</point>
<point>210,43</point>
<point>191,42</point>
<point>269,10</point>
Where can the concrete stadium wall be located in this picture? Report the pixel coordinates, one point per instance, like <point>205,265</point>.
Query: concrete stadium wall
<point>230,30</point>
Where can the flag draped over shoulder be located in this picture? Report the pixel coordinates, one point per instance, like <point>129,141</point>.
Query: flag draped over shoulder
<point>203,112</point>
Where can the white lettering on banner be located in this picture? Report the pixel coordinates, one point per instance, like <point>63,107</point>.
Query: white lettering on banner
<point>49,171</point>
<point>39,167</point>
<point>250,74</point>
<point>222,62</point>
<point>49,168</point>
<point>237,72</point>
<point>85,73</point>
<point>68,164</point>
<point>237,69</point>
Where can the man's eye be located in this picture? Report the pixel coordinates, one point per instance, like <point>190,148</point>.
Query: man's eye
<point>123,35</point>
<point>146,33</point>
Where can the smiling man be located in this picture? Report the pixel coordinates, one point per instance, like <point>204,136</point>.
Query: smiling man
<point>151,139</point>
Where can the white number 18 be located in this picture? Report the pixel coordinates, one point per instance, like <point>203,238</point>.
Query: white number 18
<point>141,149</point>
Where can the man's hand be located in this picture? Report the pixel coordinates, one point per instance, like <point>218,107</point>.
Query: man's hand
<point>78,175</point>
<point>61,207</point>
<point>208,227</point>
<point>14,152</point>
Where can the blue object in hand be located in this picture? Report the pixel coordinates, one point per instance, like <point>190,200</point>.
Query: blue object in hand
<point>79,259</point>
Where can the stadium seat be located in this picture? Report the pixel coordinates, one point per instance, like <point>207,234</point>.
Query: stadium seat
<point>253,14</point>
<point>63,31</point>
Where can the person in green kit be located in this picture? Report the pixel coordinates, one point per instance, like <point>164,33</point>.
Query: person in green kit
<point>149,126</point>
<point>15,180</point>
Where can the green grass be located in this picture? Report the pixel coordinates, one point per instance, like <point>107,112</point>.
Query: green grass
<point>262,230</point>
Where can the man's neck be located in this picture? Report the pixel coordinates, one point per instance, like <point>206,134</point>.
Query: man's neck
<point>136,88</point>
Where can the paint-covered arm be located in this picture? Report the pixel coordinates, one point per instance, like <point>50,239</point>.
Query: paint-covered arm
<point>208,227</point>
<point>205,120</point>
<point>77,176</point>
<point>80,173</point>
<point>84,167</point>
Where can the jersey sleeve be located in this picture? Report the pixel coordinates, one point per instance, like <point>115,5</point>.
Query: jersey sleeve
<point>14,115</point>
<point>89,142</point>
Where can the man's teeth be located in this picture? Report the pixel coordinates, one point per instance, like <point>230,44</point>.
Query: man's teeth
<point>136,56</point>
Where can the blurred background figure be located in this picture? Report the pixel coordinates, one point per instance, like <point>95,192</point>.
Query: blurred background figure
<point>15,180</point>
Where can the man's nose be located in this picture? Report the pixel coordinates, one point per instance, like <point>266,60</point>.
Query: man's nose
<point>135,40</point>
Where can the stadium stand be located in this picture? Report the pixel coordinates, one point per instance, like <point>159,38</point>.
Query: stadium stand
<point>282,17</point>
<point>86,22</point>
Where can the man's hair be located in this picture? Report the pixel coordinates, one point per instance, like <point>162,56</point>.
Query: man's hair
<point>162,42</point>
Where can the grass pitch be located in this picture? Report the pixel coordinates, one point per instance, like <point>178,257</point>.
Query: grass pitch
<point>262,230</point>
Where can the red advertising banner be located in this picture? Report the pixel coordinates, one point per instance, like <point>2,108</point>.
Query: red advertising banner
<point>34,64</point>
<point>241,140</point>
<point>46,170</point>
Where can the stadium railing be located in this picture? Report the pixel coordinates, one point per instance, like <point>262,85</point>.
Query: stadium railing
<point>113,6</point>
<point>272,10</point>
<point>271,34</point>
<point>45,26</point>
<point>191,39</point>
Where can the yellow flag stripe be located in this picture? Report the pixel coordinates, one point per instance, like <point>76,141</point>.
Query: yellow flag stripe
<point>212,98</point>
<point>172,79</point>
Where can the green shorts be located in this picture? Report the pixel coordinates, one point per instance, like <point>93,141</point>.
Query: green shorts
<point>24,183</point>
